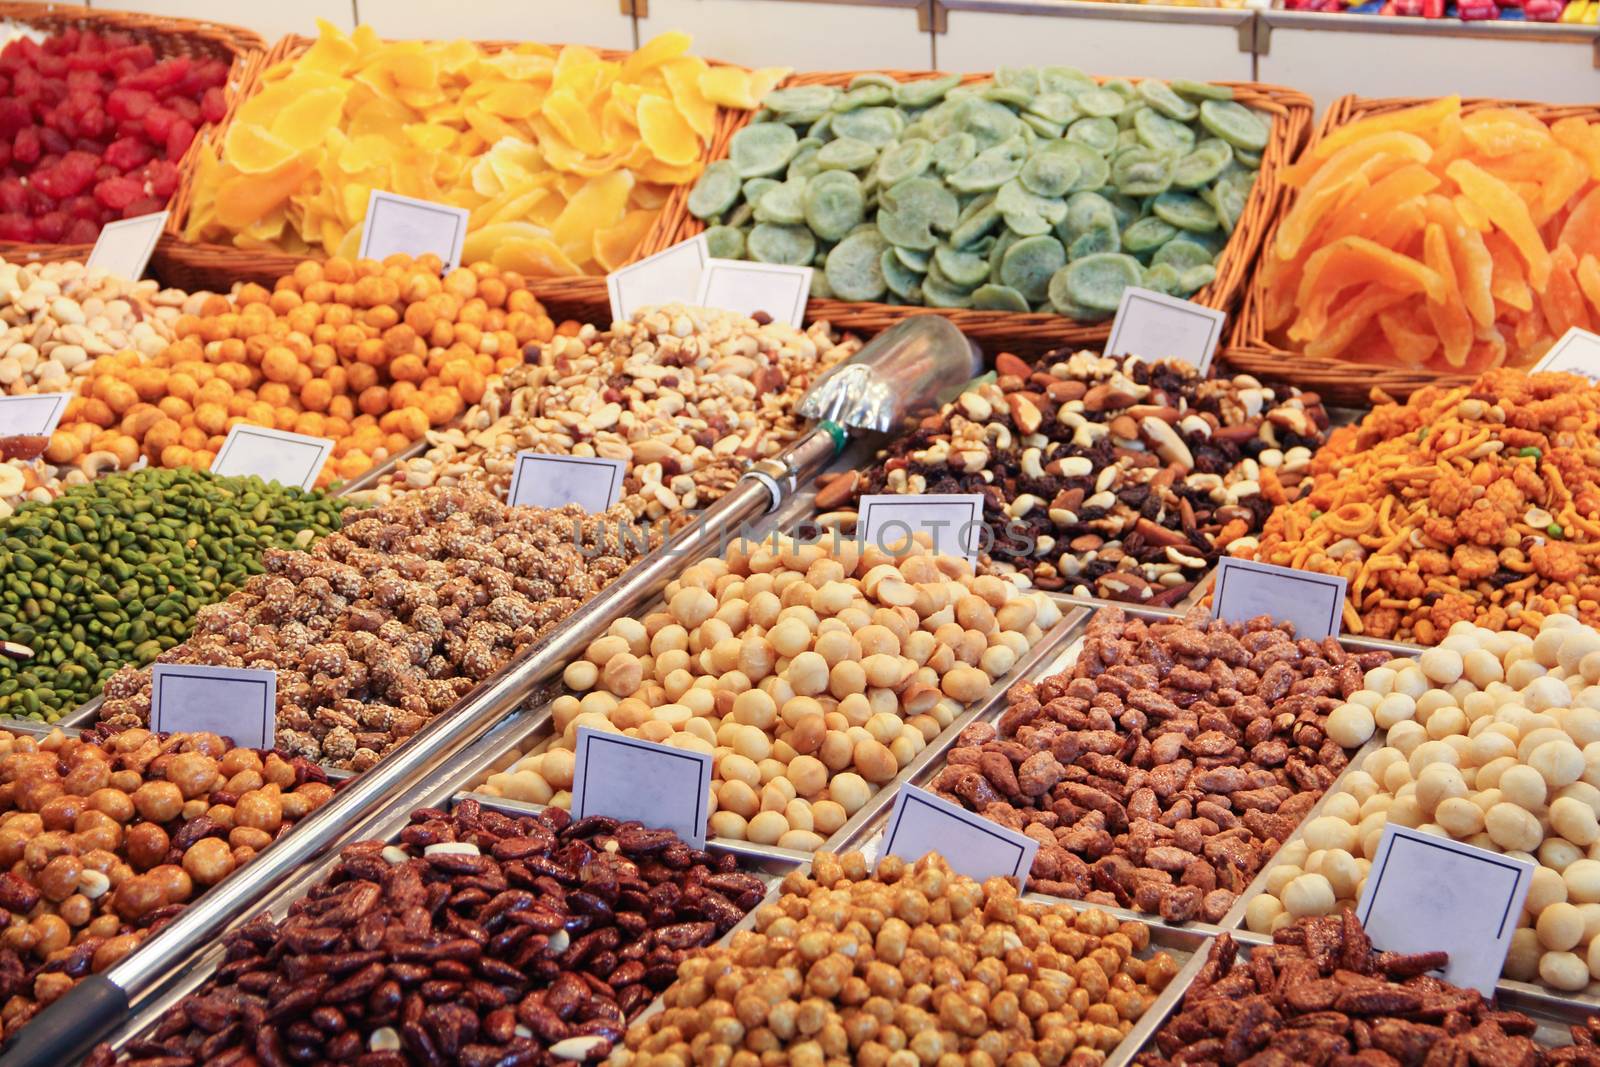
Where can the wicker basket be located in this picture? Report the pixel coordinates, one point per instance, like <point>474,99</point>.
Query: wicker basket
<point>1339,381</point>
<point>167,37</point>
<point>215,266</point>
<point>1032,333</point>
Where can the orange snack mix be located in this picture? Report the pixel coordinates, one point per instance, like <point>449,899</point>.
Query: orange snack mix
<point>1479,503</point>
<point>564,158</point>
<point>1441,237</point>
<point>367,354</point>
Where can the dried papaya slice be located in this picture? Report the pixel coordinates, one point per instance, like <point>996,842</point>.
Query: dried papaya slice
<point>1589,282</point>
<point>1509,285</point>
<point>1353,318</point>
<point>1508,212</point>
<point>614,245</point>
<point>1413,343</point>
<point>1581,138</point>
<point>1497,132</point>
<point>1352,261</point>
<point>1561,299</point>
<point>1370,159</point>
<point>1581,230</point>
<point>1448,315</point>
<point>1416,120</point>
<point>1366,214</point>
<point>1470,259</point>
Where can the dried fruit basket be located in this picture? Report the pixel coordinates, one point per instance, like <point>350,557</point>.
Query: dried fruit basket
<point>167,38</point>
<point>218,266</point>
<point>1339,381</point>
<point>1032,333</point>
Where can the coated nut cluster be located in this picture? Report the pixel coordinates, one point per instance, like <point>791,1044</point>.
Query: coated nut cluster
<point>480,939</point>
<point>1320,994</point>
<point>101,841</point>
<point>911,965</point>
<point>1119,478</point>
<point>810,673</point>
<point>686,396</point>
<point>58,318</point>
<point>1493,738</point>
<point>1163,769</point>
<point>391,620</point>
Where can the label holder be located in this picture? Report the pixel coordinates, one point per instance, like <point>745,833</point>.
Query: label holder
<point>1154,326</point>
<point>227,689</point>
<point>1241,581</point>
<point>581,468</point>
<point>247,443</point>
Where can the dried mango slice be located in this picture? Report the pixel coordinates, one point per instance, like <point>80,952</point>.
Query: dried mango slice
<point>682,76</point>
<point>1508,212</point>
<point>615,245</point>
<point>305,122</point>
<point>254,150</point>
<point>537,256</point>
<point>333,52</point>
<point>1561,299</point>
<point>669,135</point>
<point>1510,285</point>
<point>244,198</point>
<point>1368,159</point>
<point>654,53</point>
<point>729,87</point>
<point>1352,261</point>
<point>598,205</point>
<point>1589,282</point>
<point>1472,265</point>
<point>1413,342</point>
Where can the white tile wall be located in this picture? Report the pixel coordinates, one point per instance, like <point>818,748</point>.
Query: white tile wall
<point>595,22</point>
<point>270,18</point>
<point>792,33</point>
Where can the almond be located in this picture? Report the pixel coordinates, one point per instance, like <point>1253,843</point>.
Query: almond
<point>838,491</point>
<point>1006,363</point>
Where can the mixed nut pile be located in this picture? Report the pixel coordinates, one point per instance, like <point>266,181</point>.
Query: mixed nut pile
<point>910,964</point>
<point>102,841</point>
<point>479,939</point>
<point>1120,478</point>
<point>685,396</point>
<point>1164,768</point>
<point>810,673</point>
<point>389,621</point>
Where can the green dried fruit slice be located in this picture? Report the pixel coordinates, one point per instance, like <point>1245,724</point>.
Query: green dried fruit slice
<point>1186,212</point>
<point>901,279</point>
<point>784,203</point>
<point>877,126</point>
<point>761,149</point>
<point>1159,95</point>
<point>1050,174</point>
<point>1024,78</point>
<point>724,242</point>
<point>1200,90</point>
<point>1103,102</point>
<point>1009,95</point>
<point>834,204</point>
<point>1236,124</point>
<point>1093,168</point>
<point>846,153</point>
<point>855,269</point>
<point>1196,278</point>
<point>1064,80</point>
<point>1028,265</point>
<point>1041,128</point>
<point>1093,241</point>
<point>991,168</point>
<point>980,217</point>
<point>1161,277</point>
<point>1142,172</point>
<point>905,160</point>
<point>1147,234</point>
<point>1014,198</point>
<point>1096,282</point>
<point>925,91</point>
<point>962,268</point>
<point>909,212</point>
<point>1089,210</point>
<point>1099,134</point>
<point>1059,108</point>
<point>1249,159</point>
<point>952,153</point>
<point>998,298</point>
<point>868,94</point>
<point>771,243</point>
<point>801,98</point>
<point>1202,166</point>
<point>915,259</point>
<point>1163,134</point>
<point>1182,254</point>
<point>715,192</point>
<point>937,294</point>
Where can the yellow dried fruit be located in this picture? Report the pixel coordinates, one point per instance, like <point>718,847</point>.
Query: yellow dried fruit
<point>563,158</point>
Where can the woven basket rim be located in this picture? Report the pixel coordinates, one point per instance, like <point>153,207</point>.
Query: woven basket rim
<point>1248,346</point>
<point>1292,110</point>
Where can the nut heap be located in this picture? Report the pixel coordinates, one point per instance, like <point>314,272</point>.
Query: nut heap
<point>1127,479</point>
<point>1320,994</point>
<point>685,396</point>
<point>112,573</point>
<point>913,964</point>
<point>1493,739</point>
<point>1166,766</point>
<point>369,354</point>
<point>480,939</point>
<point>58,317</point>
<point>100,842</point>
<point>810,673</point>
<point>391,620</point>
<point>1480,503</point>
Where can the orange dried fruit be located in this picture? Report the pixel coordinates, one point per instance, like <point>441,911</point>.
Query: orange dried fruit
<point>1507,211</point>
<point>668,134</point>
<point>254,150</point>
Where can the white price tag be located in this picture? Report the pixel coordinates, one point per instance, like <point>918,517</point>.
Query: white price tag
<point>922,823</point>
<point>746,288</point>
<point>1313,602</point>
<point>32,416</point>
<point>272,455</point>
<point>1578,352</point>
<point>1432,894</point>
<point>628,779</point>
<point>668,277</point>
<point>954,520</point>
<point>1155,326</point>
<point>413,227</point>
<point>542,481</point>
<point>123,248</point>
<point>236,702</point>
